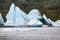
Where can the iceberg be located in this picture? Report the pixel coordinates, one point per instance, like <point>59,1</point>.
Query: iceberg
<point>16,17</point>
<point>34,23</point>
<point>58,21</point>
<point>54,24</point>
<point>1,20</point>
<point>34,14</point>
<point>45,20</point>
<point>10,16</point>
<point>20,17</point>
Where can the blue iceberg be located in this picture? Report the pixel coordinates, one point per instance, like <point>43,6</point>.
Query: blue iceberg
<point>35,14</point>
<point>1,20</point>
<point>54,24</point>
<point>20,17</point>
<point>16,17</point>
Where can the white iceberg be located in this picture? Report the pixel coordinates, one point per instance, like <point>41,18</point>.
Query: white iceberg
<point>10,16</point>
<point>16,17</point>
<point>35,23</point>
<point>54,24</point>
<point>58,21</point>
<point>20,17</point>
<point>34,14</point>
<point>1,20</point>
<point>45,20</point>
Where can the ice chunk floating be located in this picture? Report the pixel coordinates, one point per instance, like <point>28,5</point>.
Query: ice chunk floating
<point>20,17</point>
<point>16,17</point>
<point>34,14</point>
<point>54,24</point>
<point>1,20</point>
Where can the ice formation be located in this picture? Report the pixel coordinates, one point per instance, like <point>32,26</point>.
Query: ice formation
<point>1,20</point>
<point>20,17</point>
<point>34,14</point>
<point>10,15</point>
<point>16,17</point>
<point>35,23</point>
<point>54,24</point>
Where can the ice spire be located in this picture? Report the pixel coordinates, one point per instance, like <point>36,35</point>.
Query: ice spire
<point>9,16</point>
<point>20,17</point>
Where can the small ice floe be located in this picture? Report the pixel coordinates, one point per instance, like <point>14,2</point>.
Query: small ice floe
<point>58,21</point>
<point>1,20</point>
<point>54,24</point>
<point>24,29</point>
<point>35,23</point>
<point>34,14</point>
<point>7,29</point>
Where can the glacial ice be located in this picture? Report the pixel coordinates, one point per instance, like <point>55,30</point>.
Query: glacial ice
<point>1,20</point>
<point>35,23</point>
<point>20,17</point>
<point>10,15</point>
<point>55,24</point>
<point>16,17</point>
<point>34,14</point>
